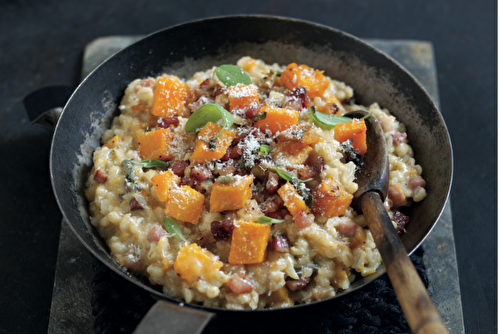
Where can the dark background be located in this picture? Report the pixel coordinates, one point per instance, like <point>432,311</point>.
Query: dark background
<point>41,44</point>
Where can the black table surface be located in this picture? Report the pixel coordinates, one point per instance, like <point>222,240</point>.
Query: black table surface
<point>41,44</point>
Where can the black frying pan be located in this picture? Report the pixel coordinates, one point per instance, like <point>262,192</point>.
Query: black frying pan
<point>184,49</point>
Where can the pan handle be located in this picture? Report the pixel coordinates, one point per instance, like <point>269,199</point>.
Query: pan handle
<point>170,318</point>
<point>44,106</point>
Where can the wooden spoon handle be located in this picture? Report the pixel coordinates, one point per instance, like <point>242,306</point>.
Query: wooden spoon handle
<point>412,295</point>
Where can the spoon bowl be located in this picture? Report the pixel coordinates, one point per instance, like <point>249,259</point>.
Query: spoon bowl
<point>374,173</point>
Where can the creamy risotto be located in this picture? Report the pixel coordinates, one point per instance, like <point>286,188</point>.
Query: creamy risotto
<point>233,188</point>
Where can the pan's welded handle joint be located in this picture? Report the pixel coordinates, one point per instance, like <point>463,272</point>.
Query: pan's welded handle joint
<point>44,106</point>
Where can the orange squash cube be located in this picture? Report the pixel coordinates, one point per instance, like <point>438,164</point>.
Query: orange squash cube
<point>249,243</point>
<point>112,142</point>
<point>355,130</point>
<point>310,138</point>
<point>163,182</point>
<point>294,153</point>
<point>155,144</point>
<point>329,108</point>
<point>169,97</point>
<point>304,135</point>
<point>332,107</point>
<point>330,199</point>
<point>185,204</point>
<point>194,263</point>
<point>277,119</point>
<point>242,96</point>
<point>203,154</point>
<point>293,201</point>
<point>231,196</point>
<point>312,80</point>
<point>280,298</point>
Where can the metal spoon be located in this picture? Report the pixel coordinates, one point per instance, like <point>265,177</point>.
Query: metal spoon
<point>373,181</point>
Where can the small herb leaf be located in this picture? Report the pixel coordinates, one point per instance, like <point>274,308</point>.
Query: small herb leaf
<point>130,177</point>
<point>328,120</point>
<point>226,179</point>
<point>208,113</point>
<point>299,186</point>
<point>303,191</point>
<point>151,163</point>
<point>260,117</point>
<point>283,175</point>
<point>289,177</point>
<point>231,75</point>
<point>269,220</point>
<point>173,228</point>
<point>263,149</point>
<point>350,153</point>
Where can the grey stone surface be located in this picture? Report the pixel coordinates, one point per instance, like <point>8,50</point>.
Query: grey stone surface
<point>71,310</point>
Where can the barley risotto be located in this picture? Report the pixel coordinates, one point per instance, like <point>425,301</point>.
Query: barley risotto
<point>233,188</point>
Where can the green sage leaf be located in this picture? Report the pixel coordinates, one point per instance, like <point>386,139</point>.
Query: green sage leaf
<point>269,220</point>
<point>260,117</point>
<point>303,190</point>
<point>283,175</point>
<point>151,163</point>
<point>173,229</point>
<point>289,177</point>
<point>263,149</point>
<point>130,177</point>
<point>226,179</point>
<point>350,153</point>
<point>298,185</point>
<point>328,120</point>
<point>231,75</point>
<point>208,113</point>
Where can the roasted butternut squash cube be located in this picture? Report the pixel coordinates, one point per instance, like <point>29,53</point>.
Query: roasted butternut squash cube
<point>310,138</point>
<point>231,196</point>
<point>332,107</point>
<point>280,298</point>
<point>169,97</point>
<point>293,201</point>
<point>304,135</point>
<point>249,243</point>
<point>242,97</point>
<point>293,153</point>
<point>355,130</point>
<point>202,153</point>
<point>155,144</point>
<point>112,142</point>
<point>277,119</point>
<point>312,80</point>
<point>329,108</point>
<point>330,199</point>
<point>163,182</point>
<point>194,263</point>
<point>184,203</point>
